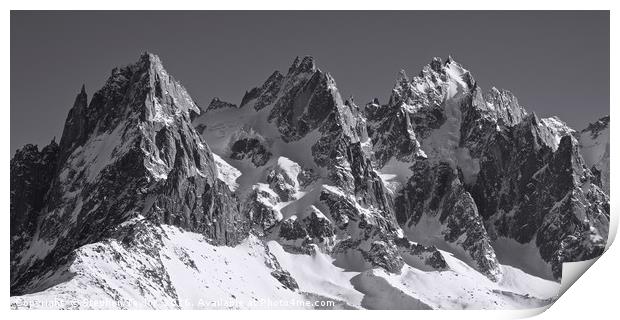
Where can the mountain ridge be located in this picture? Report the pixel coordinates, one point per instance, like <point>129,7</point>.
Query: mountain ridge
<point>409,185</point>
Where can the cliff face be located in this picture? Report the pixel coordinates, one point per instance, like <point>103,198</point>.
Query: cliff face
<point>32,172</point>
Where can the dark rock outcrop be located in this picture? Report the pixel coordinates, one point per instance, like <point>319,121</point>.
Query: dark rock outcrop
<point>264,95</point>
<point>32,172</point>
<point>250,148</point>
<point>216,103</point>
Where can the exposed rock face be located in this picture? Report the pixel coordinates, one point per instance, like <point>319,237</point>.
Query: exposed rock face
<point>576,227</point>
<point>216,103</point>
<point>423,257</point>
<point>263,96</point>
<point>523,183</point>
<point>252,148</point>
<point>32,172</point>
<point>261,208</point>
<point>307,234</point>
<point>435,198</point>
<point>506,106</point>
<point>422,129</point>
<point>319,228</point>
<point>132,150</point>
<point>305,100</point>
<point>285,278</point>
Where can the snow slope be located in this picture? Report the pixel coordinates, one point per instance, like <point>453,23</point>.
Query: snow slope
<point>167,268</point>
<point>459,288</point>
<point>163,268</point>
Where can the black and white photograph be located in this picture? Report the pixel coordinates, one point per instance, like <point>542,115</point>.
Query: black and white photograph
<point>306,160</point>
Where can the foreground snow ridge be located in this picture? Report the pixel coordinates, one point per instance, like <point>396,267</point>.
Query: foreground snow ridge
<point>164,267</point>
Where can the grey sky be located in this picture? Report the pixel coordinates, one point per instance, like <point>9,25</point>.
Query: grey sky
<point>557,63</point>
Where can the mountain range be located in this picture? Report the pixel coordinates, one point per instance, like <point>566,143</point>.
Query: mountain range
<point>446,196</point>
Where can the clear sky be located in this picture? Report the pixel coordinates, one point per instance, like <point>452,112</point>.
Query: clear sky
<point>556,63</point>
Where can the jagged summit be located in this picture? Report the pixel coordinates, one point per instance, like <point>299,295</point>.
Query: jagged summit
<point>435,80</point>
<point>305,64</point>
<point>449,59</point>
<point>260,97</point>
<point>142,91</point>
<point>402,76</point>
<point>506,106</point>
<point>216,103</point>
<point>438,65</point>
<point>130,151</point>
<point>596,127</point>
<point>149,58</point>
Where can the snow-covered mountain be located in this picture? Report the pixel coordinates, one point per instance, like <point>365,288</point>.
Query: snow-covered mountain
<point>444,197</point>
<point>130,151</point>
<point>517,184</point>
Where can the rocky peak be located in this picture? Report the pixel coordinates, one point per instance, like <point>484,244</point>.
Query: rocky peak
<point>82,98</point>
<point>216,103</point>
<point>597,127</point>
<point>436,64</point>
<point>260,97</point>
<point>306,97</point>
<point>132,151</point>
<point>438,72</point>
<point>402,89</point>
<point>164,87</point>
<point>506,106</point>
<point>76,123</point>
<point>304,65</point>
<point>143,91</point>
